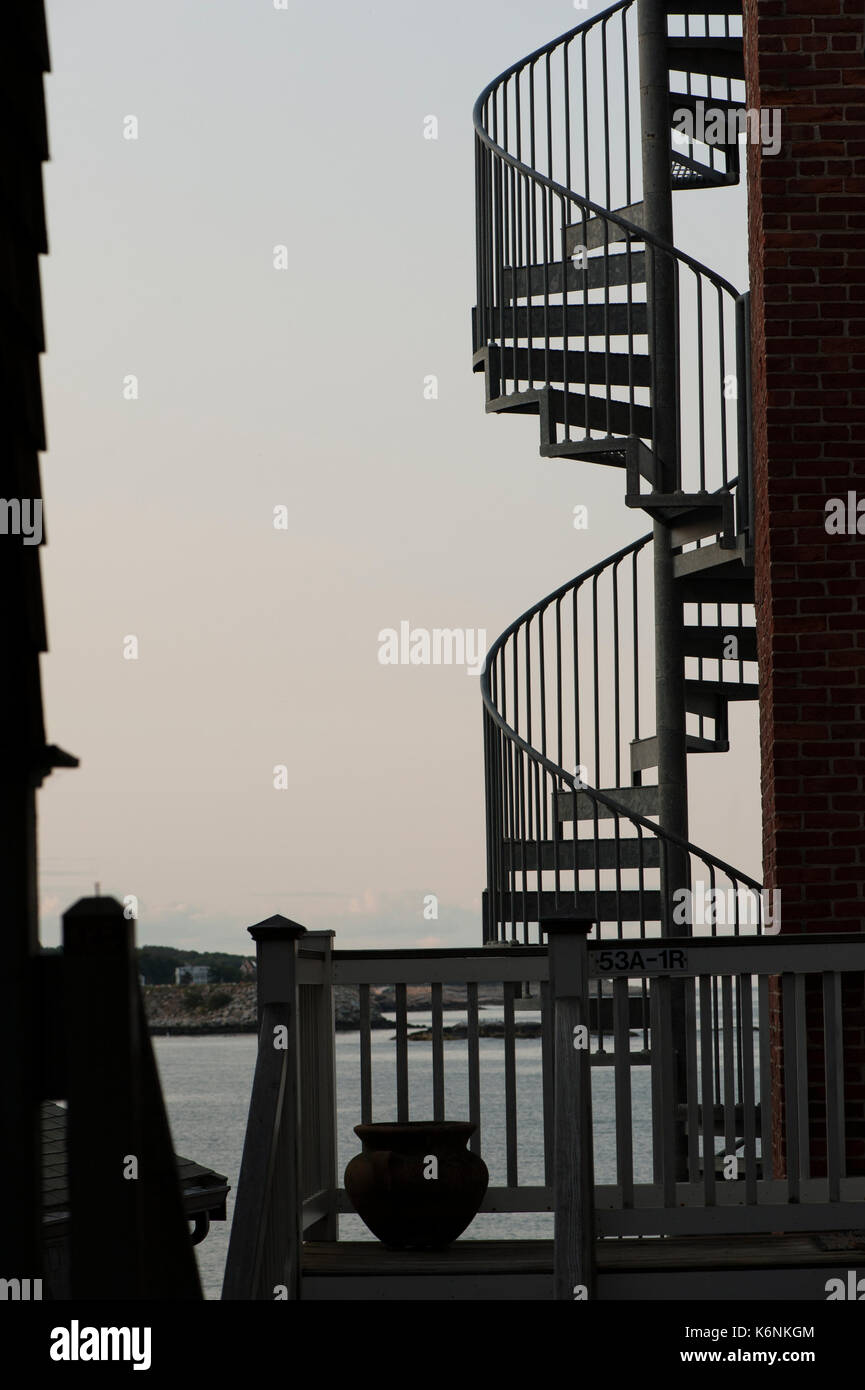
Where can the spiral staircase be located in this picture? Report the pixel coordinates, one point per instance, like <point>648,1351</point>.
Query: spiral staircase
<point>634,356</point>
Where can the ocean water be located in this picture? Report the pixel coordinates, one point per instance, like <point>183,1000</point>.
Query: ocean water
<point>207,1082</point>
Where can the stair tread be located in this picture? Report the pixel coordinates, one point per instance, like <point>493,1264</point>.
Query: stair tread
<point>683,181</point>
<point>683,501</point>
<point>596,232</point>
<point>628,852</point>
<point>724,43</point>
<point>643,801</point>
<point>582,411</point>
<point>707,174</point>
<point>593,320</point>
<point>704,7</point>
<point>644,751</point>
<point>611,450</point>
<point>628,905</point>
<point>729,690</point>
<point>729,588</point>
<point>692,100</point>
<point>708,642</point>
<point>600,412</point>
<point>539,278</point>
<point>596,365</point>
<point>715,56</point>
<point>689,516</point>
<point>710,561</point>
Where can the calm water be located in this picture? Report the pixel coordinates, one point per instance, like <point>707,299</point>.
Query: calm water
<point>207,1083</point>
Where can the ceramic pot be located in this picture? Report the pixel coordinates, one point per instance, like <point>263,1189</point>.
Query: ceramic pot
<point>415,1185</point>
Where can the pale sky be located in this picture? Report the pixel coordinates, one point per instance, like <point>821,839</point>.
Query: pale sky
<point>302,387</point>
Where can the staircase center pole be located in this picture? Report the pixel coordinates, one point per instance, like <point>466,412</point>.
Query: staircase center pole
<point>669,655</point>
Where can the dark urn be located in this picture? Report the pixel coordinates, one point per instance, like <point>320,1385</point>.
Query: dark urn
<point>416,1185</point>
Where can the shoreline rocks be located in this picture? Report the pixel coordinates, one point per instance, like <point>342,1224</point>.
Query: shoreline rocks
<point>197,1010</point>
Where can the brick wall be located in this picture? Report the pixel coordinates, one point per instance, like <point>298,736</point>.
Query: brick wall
<point>807,255</point>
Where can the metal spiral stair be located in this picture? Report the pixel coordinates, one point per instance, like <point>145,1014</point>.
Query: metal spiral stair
<point>563,330</point>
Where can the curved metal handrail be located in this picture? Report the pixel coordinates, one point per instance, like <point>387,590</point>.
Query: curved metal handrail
<point>559,772</point>
<point>516,798</point>
<point>636,232</point>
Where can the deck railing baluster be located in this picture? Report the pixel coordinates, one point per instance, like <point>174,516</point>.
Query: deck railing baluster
<point>510,1085</point>
<point>624,1112</point>
<point>833,1034</point>
<point>474,1064</point>
<point>402,1108</point>
<point>438,1058</point>
<point>749,1106</point>
<point>707,1089</point>
<point>365,1057</point>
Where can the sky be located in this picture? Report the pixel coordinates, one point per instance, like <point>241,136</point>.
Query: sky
<point>195,380</point>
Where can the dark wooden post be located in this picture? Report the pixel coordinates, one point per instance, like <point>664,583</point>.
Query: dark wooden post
<point>573,1158</point>
<point>104,1122</point>
<point>264,1249</point>
<point>129,1237</point>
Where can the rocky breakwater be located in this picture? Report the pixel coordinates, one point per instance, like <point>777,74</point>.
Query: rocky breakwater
<point>178,1010</point>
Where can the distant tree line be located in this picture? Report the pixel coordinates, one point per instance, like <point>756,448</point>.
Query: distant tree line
<point>157,964</point>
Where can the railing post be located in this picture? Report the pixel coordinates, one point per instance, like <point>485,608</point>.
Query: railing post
<point>265,1244</point>
<point>573,1158</point>
<point>324,1081</point>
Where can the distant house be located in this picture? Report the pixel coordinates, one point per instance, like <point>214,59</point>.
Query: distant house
<point>192,974</point>
<point>248,969</point>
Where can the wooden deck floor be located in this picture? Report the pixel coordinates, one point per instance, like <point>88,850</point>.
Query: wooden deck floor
<point>795,1266</point>
<point>362,1257</point>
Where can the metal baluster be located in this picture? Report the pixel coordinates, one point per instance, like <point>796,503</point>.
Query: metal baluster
<point>365,1057</point>
<point>749,1126</point>
<point>722,362</point>
<point>401,1054</point>
<point>624,1112</point>
<point>833,1032</point>
<point>663,1070</point>
<point>692,1098</point>
<point>473,1063</point>
<point>510,1085</point>
<point>707,1090</point>
<point>793,1023</point>
<point>548,1081</point>
<point>729,1066</point>
<point>438,1059</point>
<point>701,400</point>
<point>767,1162</point>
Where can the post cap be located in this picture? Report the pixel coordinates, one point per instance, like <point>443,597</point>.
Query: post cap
<point>276,928</point>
